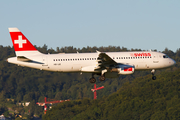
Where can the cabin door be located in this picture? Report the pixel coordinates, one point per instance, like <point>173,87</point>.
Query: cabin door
<point>155,58</point>
<point>45,61</point>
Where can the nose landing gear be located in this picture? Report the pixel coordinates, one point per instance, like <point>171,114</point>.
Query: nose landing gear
<point>152,72</point>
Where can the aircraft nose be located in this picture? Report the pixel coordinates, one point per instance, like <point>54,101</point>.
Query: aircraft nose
<point>172,62</point>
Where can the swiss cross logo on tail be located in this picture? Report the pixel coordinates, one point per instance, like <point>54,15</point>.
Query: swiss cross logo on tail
<point>20,41</point>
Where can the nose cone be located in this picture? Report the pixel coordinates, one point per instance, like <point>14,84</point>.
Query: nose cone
<point>172,62</point>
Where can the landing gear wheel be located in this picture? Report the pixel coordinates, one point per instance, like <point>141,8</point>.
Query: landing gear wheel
<point>154,77</point>
<point>92,80</point>
<point>101,78</point>
<point>152,72</point>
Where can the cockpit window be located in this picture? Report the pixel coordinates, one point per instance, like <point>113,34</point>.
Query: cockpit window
<point>165,56</point>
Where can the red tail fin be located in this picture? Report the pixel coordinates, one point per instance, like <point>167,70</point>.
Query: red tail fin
<point>20,42</point>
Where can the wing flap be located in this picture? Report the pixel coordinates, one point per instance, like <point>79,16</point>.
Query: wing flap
<point>104,61</point>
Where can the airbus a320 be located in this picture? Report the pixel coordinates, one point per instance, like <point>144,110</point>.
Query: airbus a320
<point>104,64</point>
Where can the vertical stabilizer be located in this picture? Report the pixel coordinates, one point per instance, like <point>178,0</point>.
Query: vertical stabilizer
<point>21,44</point>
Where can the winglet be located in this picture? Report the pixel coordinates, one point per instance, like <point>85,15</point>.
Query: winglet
<point>98,52</point>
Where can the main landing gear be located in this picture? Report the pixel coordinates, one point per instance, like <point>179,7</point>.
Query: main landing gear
<point>102,78</point>
<point>93,80</point>
<point>152,72</point>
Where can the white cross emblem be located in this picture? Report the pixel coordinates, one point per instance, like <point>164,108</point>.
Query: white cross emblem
<point>20,41</point>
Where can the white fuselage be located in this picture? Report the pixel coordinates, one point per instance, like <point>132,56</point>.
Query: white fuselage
<point>108,64</point>
<point>87,62</point>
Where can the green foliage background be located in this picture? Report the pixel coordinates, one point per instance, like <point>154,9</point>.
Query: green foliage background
<point>142,99</point>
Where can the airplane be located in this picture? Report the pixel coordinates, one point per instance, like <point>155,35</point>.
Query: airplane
<point>104,64</point>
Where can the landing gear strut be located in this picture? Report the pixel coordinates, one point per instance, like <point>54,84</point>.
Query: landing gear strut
<point>102,75</point>
<point>152,72</point>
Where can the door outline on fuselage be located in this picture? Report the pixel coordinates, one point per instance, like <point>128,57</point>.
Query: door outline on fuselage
<point>155,58</point>
<point>45,61</point>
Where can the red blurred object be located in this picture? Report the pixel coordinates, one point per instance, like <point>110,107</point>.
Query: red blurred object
<point>49,102</point>
<point>95,89</point>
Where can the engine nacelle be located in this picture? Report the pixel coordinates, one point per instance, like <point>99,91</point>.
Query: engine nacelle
<point>120,69</point>
<point>125,69</point>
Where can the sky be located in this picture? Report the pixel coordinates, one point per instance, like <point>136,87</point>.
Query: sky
<point>141,24</point>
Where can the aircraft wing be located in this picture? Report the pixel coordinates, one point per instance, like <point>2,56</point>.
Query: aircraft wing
<point>104,61</point>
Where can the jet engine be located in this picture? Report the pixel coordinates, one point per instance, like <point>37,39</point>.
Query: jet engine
<point>114,72</point>
<point>123,69</point>
<point>126,69</point>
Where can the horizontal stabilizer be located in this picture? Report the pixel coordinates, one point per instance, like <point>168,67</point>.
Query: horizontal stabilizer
<point>24,59</point>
